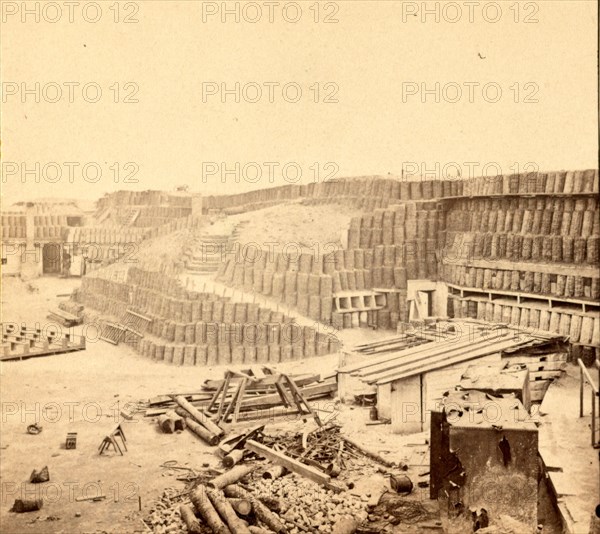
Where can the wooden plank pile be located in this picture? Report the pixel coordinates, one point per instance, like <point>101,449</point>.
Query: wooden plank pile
<point>67,314</point>
<point>244,395</point>
<point>289,394</point>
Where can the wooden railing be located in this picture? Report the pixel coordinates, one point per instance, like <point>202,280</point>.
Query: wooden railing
<point>585,376</point>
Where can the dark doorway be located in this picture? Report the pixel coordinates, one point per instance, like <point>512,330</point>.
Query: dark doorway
<point>51,258</point>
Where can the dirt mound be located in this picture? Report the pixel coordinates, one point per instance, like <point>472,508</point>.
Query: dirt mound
<point>312,227</point>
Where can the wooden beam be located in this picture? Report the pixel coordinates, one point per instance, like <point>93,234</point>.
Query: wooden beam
<point>238,402</point>
<point>289,463</point>
<point>222,403</point>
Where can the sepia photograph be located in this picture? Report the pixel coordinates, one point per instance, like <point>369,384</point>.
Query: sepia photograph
<point>299,267</point>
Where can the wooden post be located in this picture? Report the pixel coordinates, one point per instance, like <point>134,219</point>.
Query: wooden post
<point>214,398</point>
<point>593,417</point>
<point>224,395</point>
<point>580,390</point>
<point>238,403</point>
<point>234,400</point>
<point>275,472</point>
<point>202,432</point>
<point>166,424</point>
<point>368,453</point>
<point>233,458</point>
<point>241,506</point>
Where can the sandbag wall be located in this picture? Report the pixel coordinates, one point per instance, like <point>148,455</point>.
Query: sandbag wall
<point>385,249</point>
<point>536,282</point>
<point>158,215</point>
<point>109,297</point>
<point>533,182</point>
<point>404,236</point>
<point>143,198</point>
<point>540,229</point>
<point>195,328</point>
<point>50,226</point>
<point>582,328</point>
<point>108,235</point>
<point>300,281</point>
<point>14,226</point>
<point>550,238</point>
<point>369,193</point>
<point>255,198</point>
<point>205,329</point>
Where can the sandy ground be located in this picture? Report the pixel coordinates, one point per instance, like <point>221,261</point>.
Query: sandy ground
<point>83,392</point>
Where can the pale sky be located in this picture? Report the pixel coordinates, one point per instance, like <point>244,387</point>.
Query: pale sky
<point>368,57</point>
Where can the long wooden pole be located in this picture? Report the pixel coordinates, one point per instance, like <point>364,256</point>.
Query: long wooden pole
<point>368,453</point>
<point>201,432</point>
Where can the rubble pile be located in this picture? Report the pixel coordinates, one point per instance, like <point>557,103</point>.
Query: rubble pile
<point>163,516</point>
<point>312,481</point>
<point>305,507</point>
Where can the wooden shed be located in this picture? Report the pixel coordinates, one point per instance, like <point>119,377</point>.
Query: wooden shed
<point>411,381</point>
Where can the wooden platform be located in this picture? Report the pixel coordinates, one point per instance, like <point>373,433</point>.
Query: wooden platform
<point>23,344</point>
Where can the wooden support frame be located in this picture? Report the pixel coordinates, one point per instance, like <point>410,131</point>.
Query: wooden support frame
<point>289,396</point>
